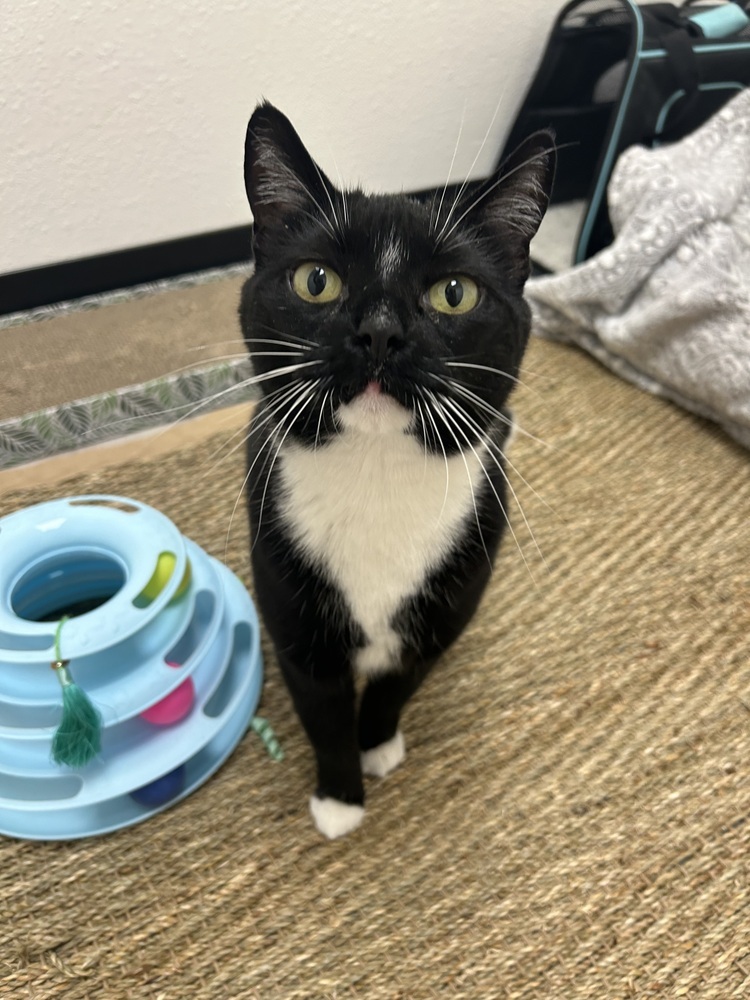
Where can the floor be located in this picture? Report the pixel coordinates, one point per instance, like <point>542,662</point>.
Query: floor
<point>136,447</point>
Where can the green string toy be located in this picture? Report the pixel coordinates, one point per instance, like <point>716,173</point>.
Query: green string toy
<point>263,728</point>
<point>78,738</point>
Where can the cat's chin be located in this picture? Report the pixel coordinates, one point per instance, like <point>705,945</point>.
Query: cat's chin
<point>374,411</point>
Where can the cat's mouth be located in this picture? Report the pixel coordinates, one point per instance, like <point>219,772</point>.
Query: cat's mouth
<point>376,394</point>
<point>375,405</point>
<point>380,388</point>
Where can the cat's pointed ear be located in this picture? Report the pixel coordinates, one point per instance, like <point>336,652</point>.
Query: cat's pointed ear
<point>512,202</point>
<point>281,178</point>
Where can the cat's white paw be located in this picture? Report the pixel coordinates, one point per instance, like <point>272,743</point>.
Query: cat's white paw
<point>385,758</point>
<point>333,818</point>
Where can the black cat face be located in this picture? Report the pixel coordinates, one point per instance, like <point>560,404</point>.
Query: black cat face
<point>365,305</point>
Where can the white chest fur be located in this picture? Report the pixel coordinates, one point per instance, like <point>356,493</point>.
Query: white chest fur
<point>377,515</point>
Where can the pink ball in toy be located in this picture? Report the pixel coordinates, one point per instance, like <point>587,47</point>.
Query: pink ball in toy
<point>174,707</point>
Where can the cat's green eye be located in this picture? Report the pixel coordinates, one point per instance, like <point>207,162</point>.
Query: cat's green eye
<point>454,295</point>
<point>317,283</point>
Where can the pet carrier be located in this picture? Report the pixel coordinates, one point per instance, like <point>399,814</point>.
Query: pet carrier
<point>616,73</point>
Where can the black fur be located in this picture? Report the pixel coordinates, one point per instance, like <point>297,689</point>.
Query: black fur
<point>382,328</point>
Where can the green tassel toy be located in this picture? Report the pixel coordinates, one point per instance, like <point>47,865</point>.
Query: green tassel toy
<point>78,738</point>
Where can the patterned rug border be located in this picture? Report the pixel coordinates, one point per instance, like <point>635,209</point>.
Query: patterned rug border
<point>125,411</point>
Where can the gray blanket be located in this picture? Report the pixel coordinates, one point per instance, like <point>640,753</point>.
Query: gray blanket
<point>667,305</point>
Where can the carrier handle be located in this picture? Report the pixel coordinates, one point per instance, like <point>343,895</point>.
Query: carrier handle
<point>674,35</point>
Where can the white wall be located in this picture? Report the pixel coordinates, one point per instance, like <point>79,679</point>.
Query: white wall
<point>122,121</point>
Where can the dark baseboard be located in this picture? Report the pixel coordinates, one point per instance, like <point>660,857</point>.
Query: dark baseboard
<point>41,286</point>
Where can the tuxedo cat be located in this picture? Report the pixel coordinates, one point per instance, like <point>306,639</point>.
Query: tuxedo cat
<point>386,333</point>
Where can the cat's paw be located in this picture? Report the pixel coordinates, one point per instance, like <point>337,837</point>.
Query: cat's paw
<point>334,818</point>
<point>383,759</point>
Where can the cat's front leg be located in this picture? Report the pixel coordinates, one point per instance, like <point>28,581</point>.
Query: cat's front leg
<point>327,709</point>
<point>380,739</point>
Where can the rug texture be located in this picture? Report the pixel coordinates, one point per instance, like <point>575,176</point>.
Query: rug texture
<point>571,820</point>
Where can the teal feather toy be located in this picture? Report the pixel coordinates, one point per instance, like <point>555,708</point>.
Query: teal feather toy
<point>78,738</point>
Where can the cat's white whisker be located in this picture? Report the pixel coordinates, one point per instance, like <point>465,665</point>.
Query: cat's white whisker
<point>452,421</point>
<point>260,453</point>
<point>201,363</point>
<point>336,220</point>
<point>477,400</point>
<point>277,372</point>
<point>496,447</point>
<point>278,168</point>
<point>341,190</point>
<point>461,389</point>
<point>445,458</point>
<point>291,339</point>
<point>438,406</point>
<point>494,371</point>
<point>454,385</point>
<point>194,408</point>
<point>274,400</point>
<point>275,354</point>
<point>244,384</point>
<point>213,344</point>
<point>418,406</point>
<point>474,427</point>
<point>281,402</point>
<point>320,420</point>
<point>291,416</point>
<point>280,398</point>
<point>443,236</point>
<point>324,223</point>
<point>221,458</point>
<point>461,190</point>
<point>236,503</point>
<point>525,370</point>
<point>434,222</point>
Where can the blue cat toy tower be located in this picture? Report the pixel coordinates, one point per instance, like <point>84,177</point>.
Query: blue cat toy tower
<point>130,666</point>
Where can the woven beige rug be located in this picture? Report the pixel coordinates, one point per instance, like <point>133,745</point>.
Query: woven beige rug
<point>572,817</point>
